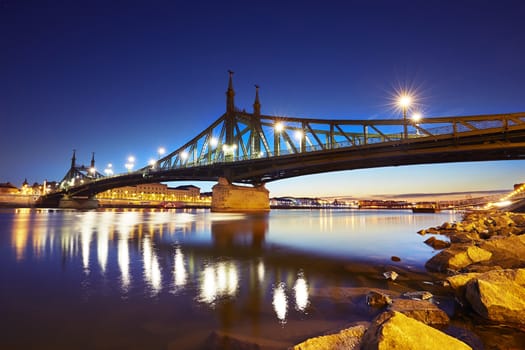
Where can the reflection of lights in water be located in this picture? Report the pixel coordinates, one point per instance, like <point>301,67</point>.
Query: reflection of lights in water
<point>219,280</point>
<point>20,233</point>
<point>127,221</point>
<point>152,272</point>
<point>123,260</point>
<point>179,270</point>
<point>280,302</point>
<point>87,223</point>
<point>103,230</point>
<point>260,271</point>
<point>208,285</point>
<point>102,248</point>
<point>301,293</point>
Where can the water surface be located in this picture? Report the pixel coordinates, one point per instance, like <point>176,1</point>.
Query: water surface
<point>168,279</point>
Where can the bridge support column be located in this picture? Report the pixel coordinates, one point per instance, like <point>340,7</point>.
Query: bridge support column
<point>227,197</point>
<point>78,203</point>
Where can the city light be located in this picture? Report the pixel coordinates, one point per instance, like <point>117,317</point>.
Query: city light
<point>416,117</point>
<point>109,170</point>
<point>405,101</point>
<point>161,151</point>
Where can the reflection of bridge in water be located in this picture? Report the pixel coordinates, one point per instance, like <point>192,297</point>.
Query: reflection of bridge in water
<point>253,148</point>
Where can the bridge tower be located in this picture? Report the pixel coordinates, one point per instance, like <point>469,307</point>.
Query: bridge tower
<point>227,197</point>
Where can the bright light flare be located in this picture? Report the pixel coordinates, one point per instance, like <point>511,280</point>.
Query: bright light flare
<point>161,151</point>
<point>405,101</point>
<point>214,142</point>
<point>131,159</point>
<point>416,117</point>
<point>279,127</point>
<point>298,134</point>
<point>184,155</point>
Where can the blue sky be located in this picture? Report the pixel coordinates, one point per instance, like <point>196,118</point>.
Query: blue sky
<point>122,78</point>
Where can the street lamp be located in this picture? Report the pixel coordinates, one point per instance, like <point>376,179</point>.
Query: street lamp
<point>161,151</point>
<point>109,170</point>
<point>416,117</point>
<point>404,102</point>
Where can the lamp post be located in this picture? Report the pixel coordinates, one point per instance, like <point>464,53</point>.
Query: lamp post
<point>404,102</point>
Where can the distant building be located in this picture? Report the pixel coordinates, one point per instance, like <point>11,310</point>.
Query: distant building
<point>154,192</point>
<point>8,188</point>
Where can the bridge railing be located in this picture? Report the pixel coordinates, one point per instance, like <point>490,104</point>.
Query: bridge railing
<point>245,136</point>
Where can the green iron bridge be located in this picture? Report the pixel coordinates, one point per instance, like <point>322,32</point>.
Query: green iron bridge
<point>253,148</point>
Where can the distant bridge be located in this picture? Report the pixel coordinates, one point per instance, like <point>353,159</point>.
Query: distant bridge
<point>252,148</point>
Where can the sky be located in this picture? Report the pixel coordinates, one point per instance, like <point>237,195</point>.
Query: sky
<point>126,77</point>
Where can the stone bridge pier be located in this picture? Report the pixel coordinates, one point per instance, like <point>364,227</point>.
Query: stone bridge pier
<point>227,197</point>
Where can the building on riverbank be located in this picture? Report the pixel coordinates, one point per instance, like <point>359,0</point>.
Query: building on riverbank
<point>154,194</point>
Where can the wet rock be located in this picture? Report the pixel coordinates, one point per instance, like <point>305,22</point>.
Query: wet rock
<point>219,340</point>
<point>508,252</point>
<point>349,338</point>
<point>418,295</point>
<point>465,237</point>
<point>437,243</point>
<point>378,299</point>
<point>459,282</point>
<point>456,257</point>
<point>393,330</point>
<point>421,310</point>
<point>499,295</point>
<point>390,275</point>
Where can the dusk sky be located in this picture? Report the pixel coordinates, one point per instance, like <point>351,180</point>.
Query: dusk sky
<point>122,78</point>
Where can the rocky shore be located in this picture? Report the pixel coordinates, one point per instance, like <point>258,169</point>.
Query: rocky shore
<point>482,264</point>
<point>477,279</point>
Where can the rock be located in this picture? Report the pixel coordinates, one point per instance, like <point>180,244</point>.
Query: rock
<point>349,338</point>
<point>222,340</point>
<point>437,243</point>
<point>219,340</point>
<point>390,275</point>
<point>465,237</point>
<point>508,252</point>
<point>421,310</point>
<point>419,295</point>
<point>458,282</point>
<point>378,299</point>
<point>457,257</point>
<point>393,330</point>
<point>499,295</point>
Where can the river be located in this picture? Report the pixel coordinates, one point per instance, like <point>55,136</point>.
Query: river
<point>169,279</point>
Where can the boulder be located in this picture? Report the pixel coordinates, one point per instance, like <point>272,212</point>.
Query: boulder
<point>349,338</point>
<point>421,310</point>
<point>393,330</point>
<point>459,282</point>
<point>508,252</point>
<point>499,295</point>
<point>456,257</point>
<point>437,243</point>
<point>378,299</point>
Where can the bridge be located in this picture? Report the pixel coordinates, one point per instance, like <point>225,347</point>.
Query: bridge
<point>254,149</point>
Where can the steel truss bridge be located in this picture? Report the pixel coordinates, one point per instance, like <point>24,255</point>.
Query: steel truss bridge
<point>252,148</point>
